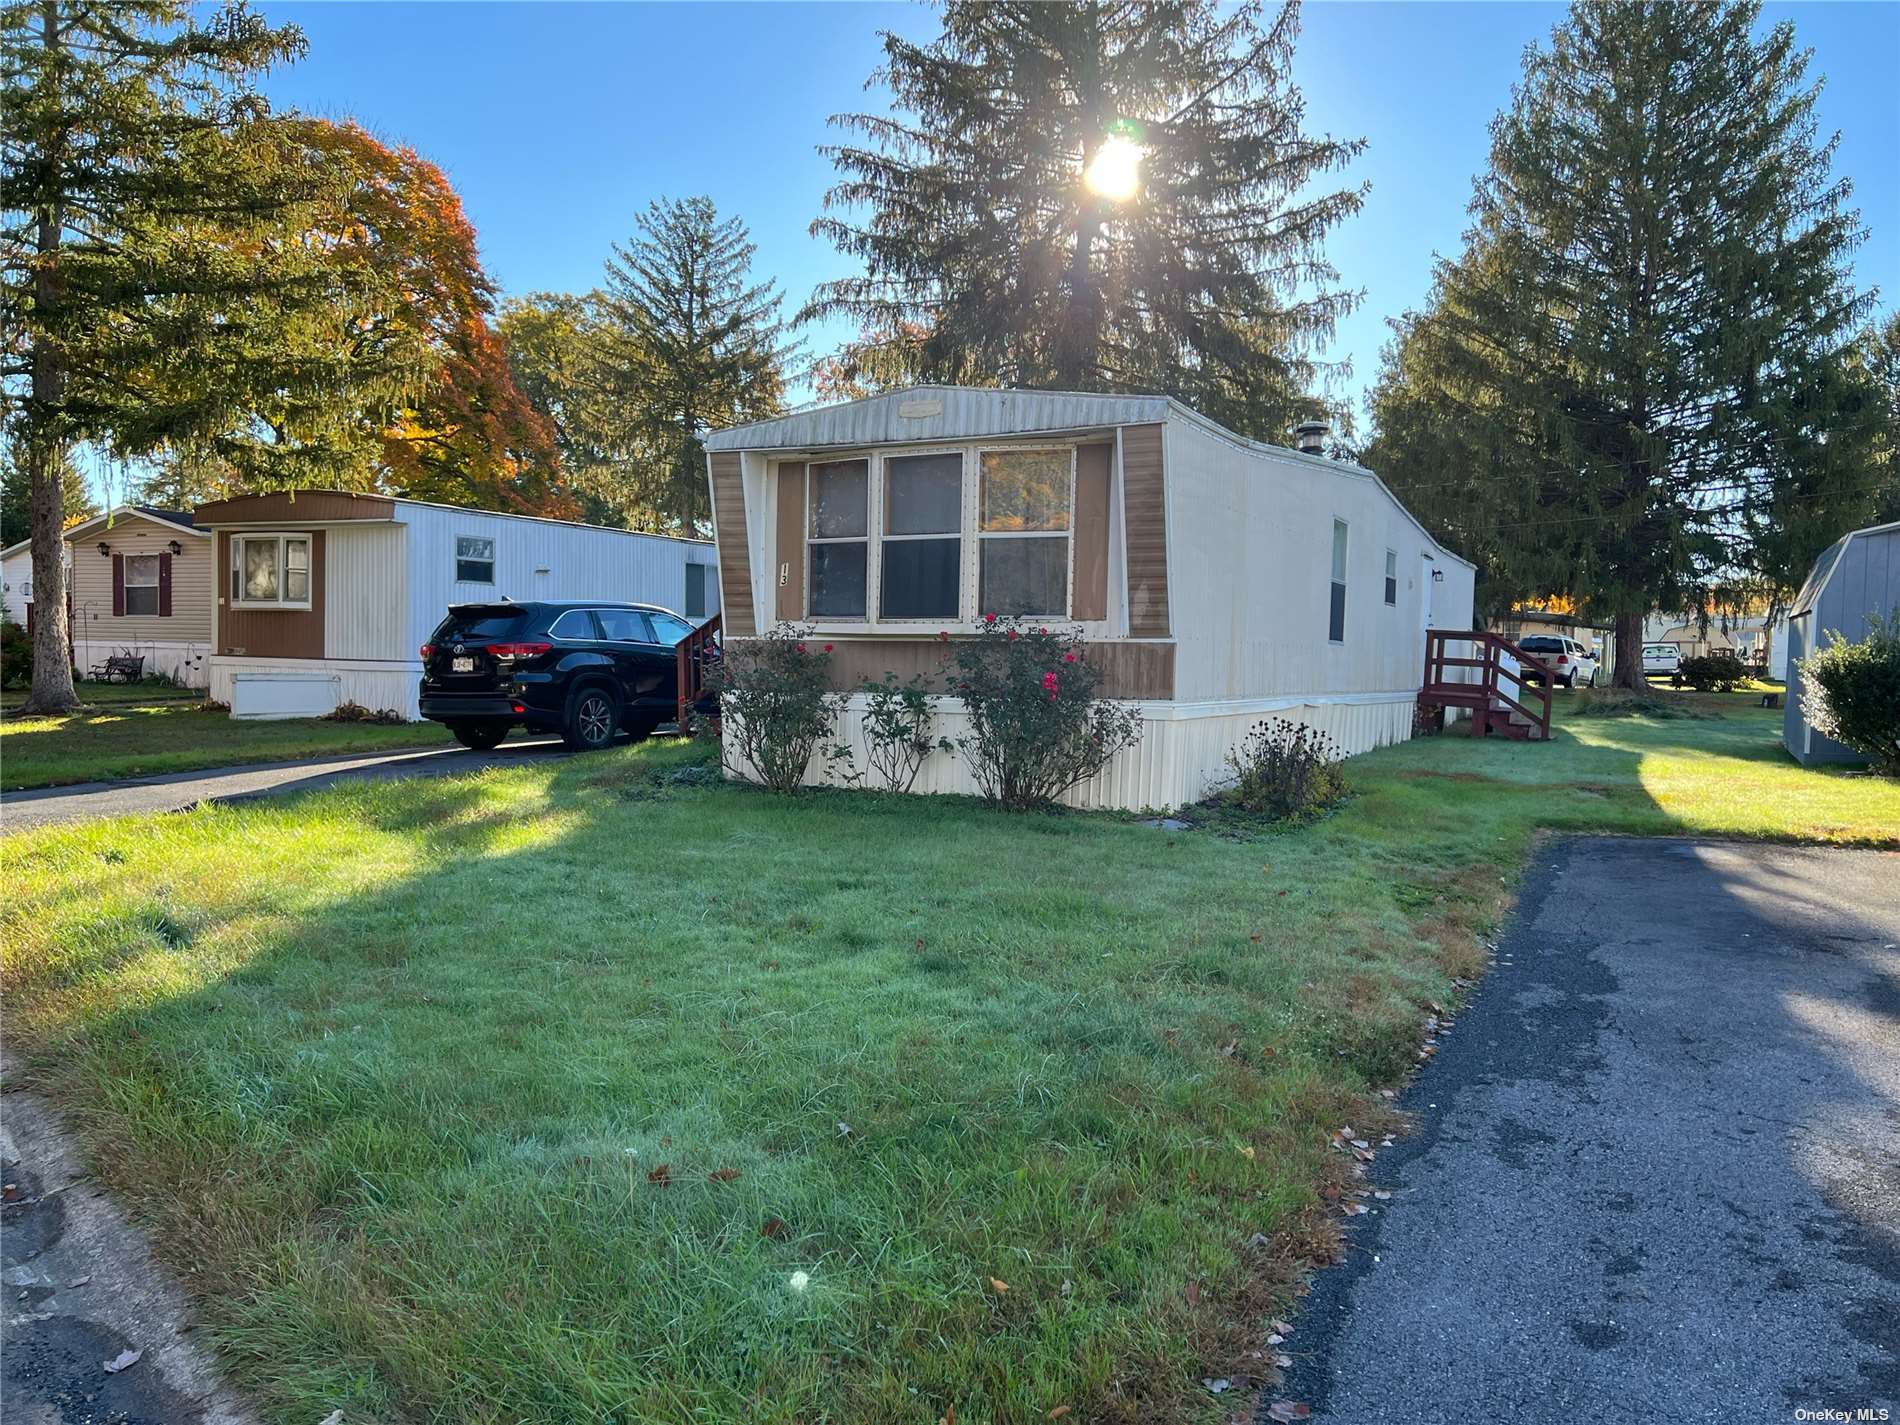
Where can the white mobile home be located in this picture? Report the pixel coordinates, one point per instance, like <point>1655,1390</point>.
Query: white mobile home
<point>139,584</point>
<point>1215,580</point>
<point>326,597</point>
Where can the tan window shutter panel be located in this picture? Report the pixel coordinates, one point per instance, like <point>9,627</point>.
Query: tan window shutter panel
<point>791,542</point>
<point>1091,531</point>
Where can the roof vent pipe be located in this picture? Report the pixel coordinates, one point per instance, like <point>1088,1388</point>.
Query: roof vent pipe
<point>1309,437</point>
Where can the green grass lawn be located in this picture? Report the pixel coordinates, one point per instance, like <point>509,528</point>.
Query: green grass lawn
<point>576,1091</point>
<point>137,731</point>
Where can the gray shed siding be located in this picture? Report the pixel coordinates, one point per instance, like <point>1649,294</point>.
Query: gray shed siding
<point>1854,580</point>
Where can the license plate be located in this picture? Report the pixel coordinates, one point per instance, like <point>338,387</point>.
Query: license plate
<point>462,665</point>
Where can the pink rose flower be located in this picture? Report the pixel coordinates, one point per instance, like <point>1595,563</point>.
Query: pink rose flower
<point>989,618</point>
<point>827,648</point>
<point>801,648</point>
<point>1068,658</point>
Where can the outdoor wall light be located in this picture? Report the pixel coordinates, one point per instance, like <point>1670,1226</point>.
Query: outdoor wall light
<point>1438,576</point>
<point>105,550</point>
<point>175,547</point>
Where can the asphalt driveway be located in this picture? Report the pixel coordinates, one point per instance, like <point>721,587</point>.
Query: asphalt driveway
<point>1657,1175</point>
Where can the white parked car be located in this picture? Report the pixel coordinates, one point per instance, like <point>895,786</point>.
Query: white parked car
<point>1571,664</point>
<point>1662,658</point>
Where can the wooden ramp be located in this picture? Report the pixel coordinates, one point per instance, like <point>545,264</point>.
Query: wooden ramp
<point>1470,671</point>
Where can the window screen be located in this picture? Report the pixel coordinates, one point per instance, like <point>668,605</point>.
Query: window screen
<point>695,591</point>
<point>474,560</point>
<point>1391,576</point>
<point>1023,523</point>
<point>839,528</point>
<point>1336,606</point>
<point>922,548</point>
<point>141,584</point>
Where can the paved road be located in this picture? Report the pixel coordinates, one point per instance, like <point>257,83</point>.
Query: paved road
<point>1657,1175</point>
<point>81,1289</point>
<point>174,791</point>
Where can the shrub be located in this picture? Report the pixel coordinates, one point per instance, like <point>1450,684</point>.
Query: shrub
<point>1284,771</point>
<point>1851,691</point>
<point>775,703</point>
<point>1713,672</point>
<point>16,655</point>
<point>897,725</point>
<point>1619,702</point>
<point>1036,726</point>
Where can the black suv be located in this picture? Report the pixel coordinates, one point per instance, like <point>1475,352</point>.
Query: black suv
<point>584,670</point>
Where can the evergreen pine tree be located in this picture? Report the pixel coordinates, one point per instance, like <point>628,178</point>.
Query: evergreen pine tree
<point>1633,378</point>
<point>1200,275</point>
<point>686,342</point>
<point>136,153</point>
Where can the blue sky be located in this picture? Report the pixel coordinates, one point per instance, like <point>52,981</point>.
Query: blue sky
<point>557,122</point>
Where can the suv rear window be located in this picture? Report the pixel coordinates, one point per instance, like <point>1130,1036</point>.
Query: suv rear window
<point>480,622</point>
<point>1542,645</point>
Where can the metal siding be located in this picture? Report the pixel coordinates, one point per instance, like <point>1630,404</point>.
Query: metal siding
<point>581,562</point>
<point>965,413</point>
<point>1854,580</point>
<point>1252,573</point>
<point>366,578</point>
<point>735,555</point>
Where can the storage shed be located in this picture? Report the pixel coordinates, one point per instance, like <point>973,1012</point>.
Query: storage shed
<point>1216,581</point>
<point>326,596</point>
<point>1857,578</point>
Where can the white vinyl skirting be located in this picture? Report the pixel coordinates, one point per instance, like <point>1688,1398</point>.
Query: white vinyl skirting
<point>1182,752</point>
<point>378,686</point>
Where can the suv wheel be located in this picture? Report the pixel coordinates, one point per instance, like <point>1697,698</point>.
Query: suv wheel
<point>481,736</point>
<point>593,714</point>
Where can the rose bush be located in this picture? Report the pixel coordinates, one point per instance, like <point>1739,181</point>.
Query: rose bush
<point>1037,727</point>
<point>776,703</point>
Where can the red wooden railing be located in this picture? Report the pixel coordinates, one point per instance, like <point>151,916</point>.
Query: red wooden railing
<point>1484,693</point>
<point>692,655</point>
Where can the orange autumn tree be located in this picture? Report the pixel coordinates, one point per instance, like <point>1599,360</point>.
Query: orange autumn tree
<point>462,433</point>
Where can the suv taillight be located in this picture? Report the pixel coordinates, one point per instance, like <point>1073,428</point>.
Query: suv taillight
<point>518,650</point>
<point>1563,657</point>
<point>427,651</point>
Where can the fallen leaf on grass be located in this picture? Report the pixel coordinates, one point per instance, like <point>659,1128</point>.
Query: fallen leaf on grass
<point>1218,1386</point>
<point>1283,1360</point>
<point>124,1361</point>
<point>999,1284</point>
<point>1058,1412</point>
<point>722,1175</point>
<point>661,1176</point>
<point>1193,1293</point>
<point>1282,1327</point>
<point>1288,1410</point>
<point>773,1228</point>
<point>1246,1151</point>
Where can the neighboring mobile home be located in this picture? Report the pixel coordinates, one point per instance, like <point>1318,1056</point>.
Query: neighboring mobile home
<point>326,596</point>
<point>1855,580</point>
<point>139,582</point>
<point>1216,581</point>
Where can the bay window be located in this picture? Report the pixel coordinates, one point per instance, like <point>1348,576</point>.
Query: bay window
<point>1025,503</point>
<point>270,570</point>
<point>922,548</point>
<point>839,539</point>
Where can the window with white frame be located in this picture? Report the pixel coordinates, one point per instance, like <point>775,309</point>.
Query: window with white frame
<point>695,591</point>
<point>1336,609</point>
<point>920,574</point>
<point>474,559</point>
<point>270,571</point>
<point>838,539</point>
<point>1025,505</point>
<point>1392,576</point>
<point>141,584</point>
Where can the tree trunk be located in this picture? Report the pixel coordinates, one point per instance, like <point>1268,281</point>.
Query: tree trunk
<point>52,637</point>
<point>1627,630</point>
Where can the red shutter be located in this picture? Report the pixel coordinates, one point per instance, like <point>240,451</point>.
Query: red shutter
<point>118,586</point>
<point>164,586</point>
